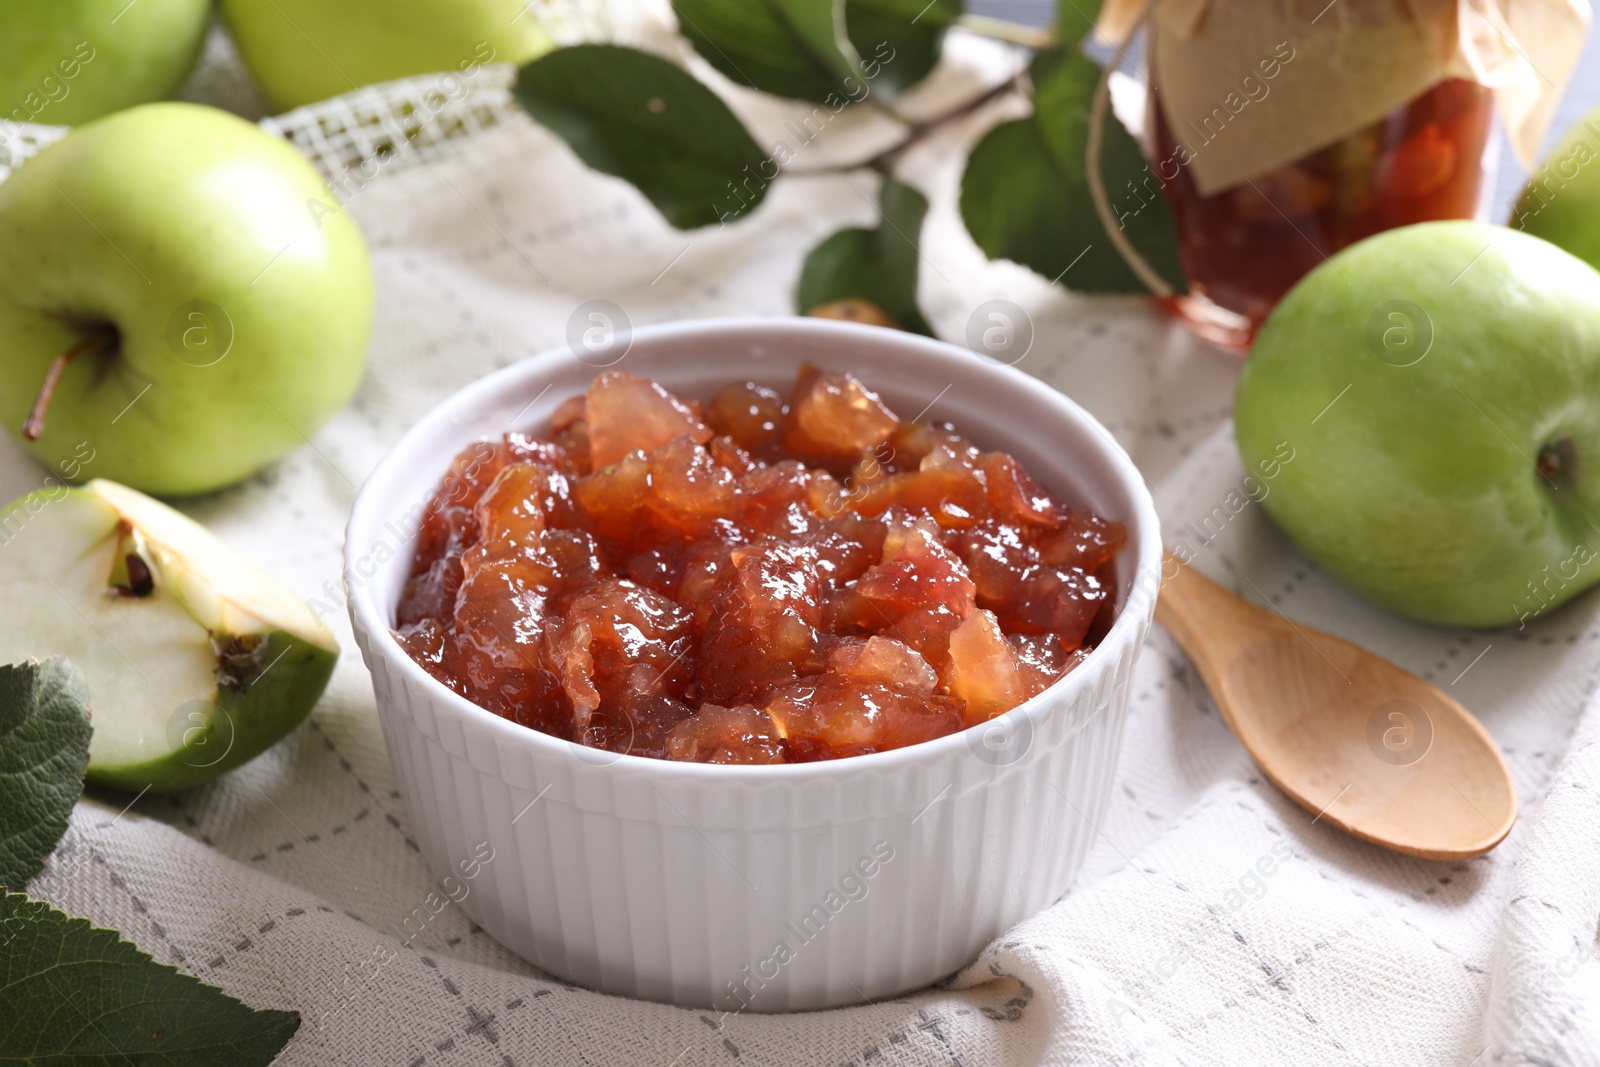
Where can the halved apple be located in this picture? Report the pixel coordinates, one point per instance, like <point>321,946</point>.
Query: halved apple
<point>196,658</point>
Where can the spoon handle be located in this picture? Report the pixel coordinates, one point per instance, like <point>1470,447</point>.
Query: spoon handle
<point>1209,623</point>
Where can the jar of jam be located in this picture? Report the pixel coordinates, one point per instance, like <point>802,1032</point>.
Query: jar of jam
<point>1281,131</point>
<point>1244,247</point>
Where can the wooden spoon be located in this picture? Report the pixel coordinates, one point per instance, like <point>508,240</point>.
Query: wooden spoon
<point>1364,745</point>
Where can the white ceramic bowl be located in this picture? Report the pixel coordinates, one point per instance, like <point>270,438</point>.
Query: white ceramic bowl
<point>758,888</point>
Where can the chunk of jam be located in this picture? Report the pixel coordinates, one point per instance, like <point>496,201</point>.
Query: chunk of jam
<point>750,581</point>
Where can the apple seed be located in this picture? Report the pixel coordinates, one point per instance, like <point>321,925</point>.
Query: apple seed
<point>140,581</point>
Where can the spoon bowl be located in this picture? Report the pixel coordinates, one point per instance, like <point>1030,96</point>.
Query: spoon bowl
<point>1349,736</point>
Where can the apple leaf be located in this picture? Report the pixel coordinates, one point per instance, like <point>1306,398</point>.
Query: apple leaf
<point>1075,20</point>
<point>1016,206</point>
<point>80,996</point>
<point>877,265</point>
<point>44,750</point>
<point>636,116</point>
<point>899,41</point>
<point>1025,194</point>
<point>792,48</point>
<point>1062,101</point>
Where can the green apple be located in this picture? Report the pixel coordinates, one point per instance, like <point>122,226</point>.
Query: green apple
<point>301,51</point>
<point>64,62</point>
<point>176,290</point>
<point>1561,201</point>
<point>196,658</point>
<point>1438,389</point>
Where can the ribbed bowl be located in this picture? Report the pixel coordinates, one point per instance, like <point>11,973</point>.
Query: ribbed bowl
<point>758,888</point>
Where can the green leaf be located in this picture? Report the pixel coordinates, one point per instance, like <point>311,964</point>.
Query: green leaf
<point>940,13</point>
<point>793,48</point>
<point>878,265</point>
<point>1045,63</point>
<point>1061,110</point>
<point>1075,20</point>
<point>899,41</point>
<point>1025,194</point>
<point>44,749</point>
<point>642,119</point>
<point>72,994</point>
<point>1016,205</point>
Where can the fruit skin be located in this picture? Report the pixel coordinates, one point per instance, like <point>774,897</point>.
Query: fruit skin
<point>130,220</point>
<point>64,62</point>
<point>236,720</point>
<point>214,662</point>
<point>302,51</point>
<point>1561,202</point>
<point>1418,486</point>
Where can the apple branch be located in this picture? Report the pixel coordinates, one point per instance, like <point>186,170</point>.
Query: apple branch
<point>33,426</point>
<point>884,161</point>
<point>1034,37</point>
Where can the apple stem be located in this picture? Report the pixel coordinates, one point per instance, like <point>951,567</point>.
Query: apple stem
<point>1554,459</point>
<point>33,427</point>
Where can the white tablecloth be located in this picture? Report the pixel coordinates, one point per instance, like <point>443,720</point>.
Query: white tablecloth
<point>287,882</point>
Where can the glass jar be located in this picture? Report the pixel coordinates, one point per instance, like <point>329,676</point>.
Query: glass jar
<point>1243,248</point>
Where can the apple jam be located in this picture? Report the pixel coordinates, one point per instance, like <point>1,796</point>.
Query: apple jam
<point>750,580</point>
